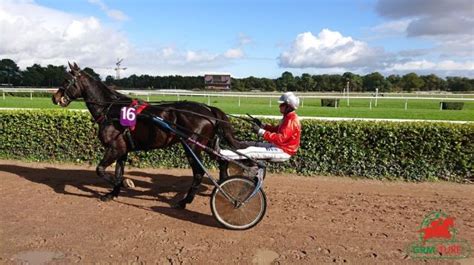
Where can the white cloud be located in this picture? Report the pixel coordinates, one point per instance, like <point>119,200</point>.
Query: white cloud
<point>30,33</point>
<point>112,13</point>
<point>416,8</point>
<point>234,53</point>
<point>328,50</point>
<point>167,52</point>
<point>244,39</point>
<point>430,18</point>
<point>117,15</point>
<point>34,34</point>
<point>461,46</point>
<point>447,65</point>
<point>448,25</point>
<point>200,57</point>
<point>395,27</point>
<point>442,25</point>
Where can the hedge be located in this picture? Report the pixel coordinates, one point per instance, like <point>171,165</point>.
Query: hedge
<point>330,102</point>
<point>413,151</point>
<point>452,105</point>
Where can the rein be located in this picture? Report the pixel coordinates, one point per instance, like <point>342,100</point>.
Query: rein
<point>106,103</point>
<point>102,117</point>
<point>73,82</point>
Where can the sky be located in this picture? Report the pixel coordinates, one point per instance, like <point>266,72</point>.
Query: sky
<point>260,38</point>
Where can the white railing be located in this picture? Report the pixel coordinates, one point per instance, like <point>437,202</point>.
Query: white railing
<point>302,95</point>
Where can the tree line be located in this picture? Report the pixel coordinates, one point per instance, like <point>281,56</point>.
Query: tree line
<point>53,76</point>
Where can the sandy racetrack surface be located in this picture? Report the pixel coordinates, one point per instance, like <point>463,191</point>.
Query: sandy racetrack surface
<point>51,213</point>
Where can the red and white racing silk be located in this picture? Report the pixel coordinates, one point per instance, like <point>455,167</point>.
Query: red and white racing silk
<point>286,135</point>
<point>139,108</point>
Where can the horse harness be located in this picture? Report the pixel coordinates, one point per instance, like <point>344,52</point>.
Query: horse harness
<point>139,107</point>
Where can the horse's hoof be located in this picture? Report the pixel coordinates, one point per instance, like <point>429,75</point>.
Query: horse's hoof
<point>106,197</point>
<point>179,205</point>
<point>128,183</point>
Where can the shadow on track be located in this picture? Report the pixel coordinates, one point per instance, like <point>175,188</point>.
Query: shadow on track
<point>152,187</point>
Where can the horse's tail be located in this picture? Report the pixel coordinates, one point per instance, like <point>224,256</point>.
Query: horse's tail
<point>225,130</point>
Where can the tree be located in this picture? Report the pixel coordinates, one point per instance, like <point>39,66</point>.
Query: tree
<point>457,84</point>
<point>432,82</point>
<point>236,84</point>
<point>395,82</point>
<point>254,83</point>
<point>9,72</point>
<point>411,82</point>
<point>33,75</point>
<point>306,82</point>
<point>36,75</point>
<point>53,75</point>
<point>268,85</point>
<point>373,81</point>
<point>355,81</point>
<point>286,82</point>
<point>323,82</point>
<point>109,80</point>
<point>91,72</point>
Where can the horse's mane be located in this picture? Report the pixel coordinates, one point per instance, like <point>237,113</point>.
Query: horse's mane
<point>113,92</point>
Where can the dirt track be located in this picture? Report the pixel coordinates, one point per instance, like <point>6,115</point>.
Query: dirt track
<point>52,213</point>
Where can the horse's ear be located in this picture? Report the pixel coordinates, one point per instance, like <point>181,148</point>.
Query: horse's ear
<point>75,70</point>
<point>70,65</point>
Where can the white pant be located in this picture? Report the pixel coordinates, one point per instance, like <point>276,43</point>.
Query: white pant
<point>258,151</point>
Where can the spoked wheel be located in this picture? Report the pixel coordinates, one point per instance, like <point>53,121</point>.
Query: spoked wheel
<point>236,213</point>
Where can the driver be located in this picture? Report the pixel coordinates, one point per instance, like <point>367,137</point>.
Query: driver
<point>280,141</point>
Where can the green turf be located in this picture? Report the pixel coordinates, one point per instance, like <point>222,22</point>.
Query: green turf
<point>358,108</point>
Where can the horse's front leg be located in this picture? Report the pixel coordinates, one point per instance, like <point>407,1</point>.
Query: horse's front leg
<point>119,169</point>
<point>112,155</point>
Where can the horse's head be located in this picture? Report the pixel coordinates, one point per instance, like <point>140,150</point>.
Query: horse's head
<point>72,87</point>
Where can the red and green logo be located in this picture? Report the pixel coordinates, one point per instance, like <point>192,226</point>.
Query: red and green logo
<point>438,239</point>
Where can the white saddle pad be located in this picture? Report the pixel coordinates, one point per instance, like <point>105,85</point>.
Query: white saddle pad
<point>272,154</point>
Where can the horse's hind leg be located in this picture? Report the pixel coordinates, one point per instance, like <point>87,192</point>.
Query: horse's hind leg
<point>198,173</point>
<point>112,155</point>
<point>223,167</point>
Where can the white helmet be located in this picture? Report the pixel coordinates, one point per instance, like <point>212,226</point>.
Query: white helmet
<point>290,99</point>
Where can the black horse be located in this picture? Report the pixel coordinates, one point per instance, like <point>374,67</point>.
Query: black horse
<point>204,123</point>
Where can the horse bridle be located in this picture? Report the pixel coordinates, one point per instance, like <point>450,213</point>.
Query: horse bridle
<point>72,82</point>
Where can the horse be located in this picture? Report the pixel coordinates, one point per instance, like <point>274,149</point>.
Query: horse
<point>202,122</point>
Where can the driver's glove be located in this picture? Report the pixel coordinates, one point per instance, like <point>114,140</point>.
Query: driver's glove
<point>256,129</point>
<point>258,122</point>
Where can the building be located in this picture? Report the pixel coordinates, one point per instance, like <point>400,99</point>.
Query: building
<point>217,81</point>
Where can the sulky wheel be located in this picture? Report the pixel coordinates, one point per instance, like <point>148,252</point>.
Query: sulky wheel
<point>235,213</point>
